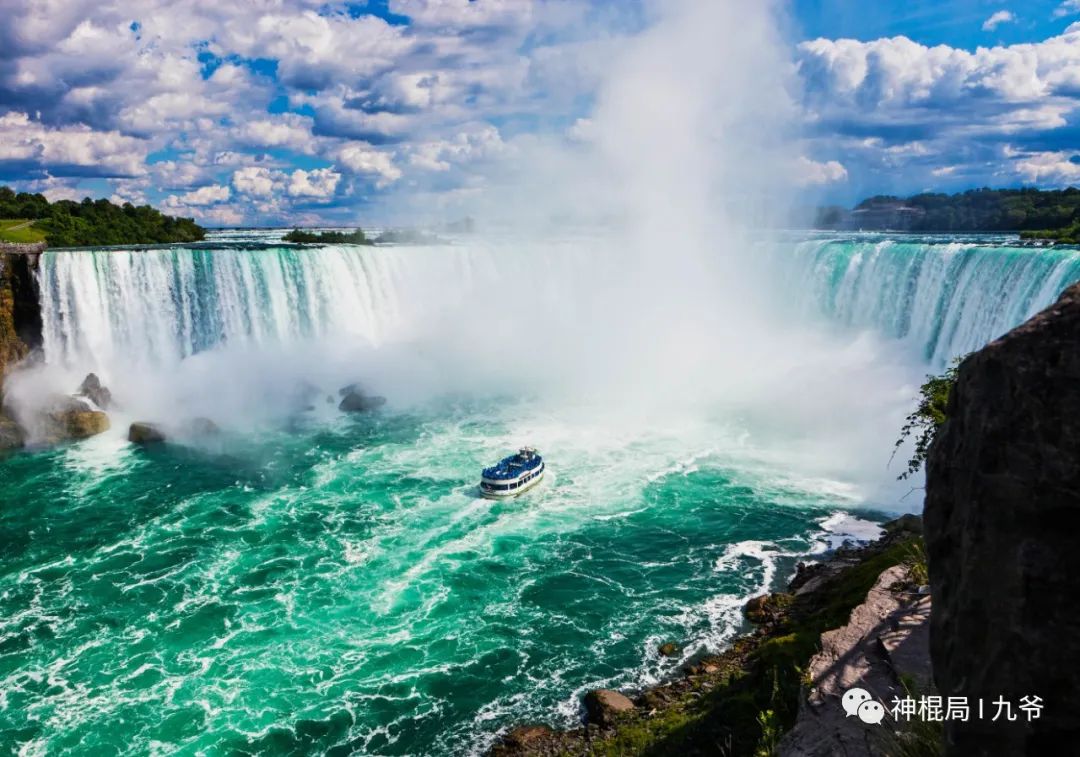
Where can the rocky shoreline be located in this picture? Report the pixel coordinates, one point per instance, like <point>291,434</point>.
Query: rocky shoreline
<point>743,700</point>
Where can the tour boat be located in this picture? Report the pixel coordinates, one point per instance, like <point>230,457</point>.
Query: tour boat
<point>513,475</point>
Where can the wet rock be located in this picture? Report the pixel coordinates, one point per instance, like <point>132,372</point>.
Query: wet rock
<point>71,418</point>
<point>653,699</point>
<point>1002,513</point>
<point>355,400</point>
<point>604,706</point>
<point>767,609</point>
<point>669,649</point>
<point>202,427</point>
<point>525,738</point>
<point>92,389</point>
<point>145,433</point>
<point>11,436</point>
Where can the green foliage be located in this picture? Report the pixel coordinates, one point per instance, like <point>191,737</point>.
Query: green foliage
<point>917,564</point>
<point>1068,235</point>
<point>20,231</point>
<point>975,210</point>
<point>924,422</point>
<point>96,222</point>
<point>770,734</point>
<point>327,237</point>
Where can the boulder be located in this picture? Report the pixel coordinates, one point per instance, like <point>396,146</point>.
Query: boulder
<point>355,400</point>
<point>767,609</point>
<point>526,737</point>
<point>71,418</point>
<point>669,649</point>
<point>1001,518</point>
<point>92,389</point>
<point>145,433</point>
<point>202,427</point>
<point>604,706</point>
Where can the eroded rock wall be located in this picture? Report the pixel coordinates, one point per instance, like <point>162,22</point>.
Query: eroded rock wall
<point>1002,525</point>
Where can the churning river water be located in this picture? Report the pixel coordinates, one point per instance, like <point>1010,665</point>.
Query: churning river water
<point>326,583</point>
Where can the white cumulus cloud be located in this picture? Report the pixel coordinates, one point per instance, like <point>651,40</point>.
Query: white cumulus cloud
<point>1067,8</point>
<point>211,194</point>
<point>319,183</point>
<point>997,19</point>
<point>69,150</point>
<point>1047,168</point>
<point>257,181</point>
<point>363,159</point>
<point>810,172</point>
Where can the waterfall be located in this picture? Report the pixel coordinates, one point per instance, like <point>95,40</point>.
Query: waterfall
<point>944,297</point>
<point>156,307</point>
<point>159,306</point>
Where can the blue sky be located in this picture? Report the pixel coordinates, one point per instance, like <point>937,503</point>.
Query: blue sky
<point>302,111</point>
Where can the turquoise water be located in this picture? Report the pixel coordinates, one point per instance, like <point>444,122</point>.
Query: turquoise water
<point>945,295</point>
<point>341,587</point>
<point>312,583</point>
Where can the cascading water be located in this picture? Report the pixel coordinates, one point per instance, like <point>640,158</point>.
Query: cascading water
<point>945,297</point>
<point>335,582</point>
<point>160,306</point>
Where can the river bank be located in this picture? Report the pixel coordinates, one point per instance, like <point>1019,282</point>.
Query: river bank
<point>743,700</point>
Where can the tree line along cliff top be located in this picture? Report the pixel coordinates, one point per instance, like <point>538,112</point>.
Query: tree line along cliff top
<point>1045,214</point>
<point>28,218</point>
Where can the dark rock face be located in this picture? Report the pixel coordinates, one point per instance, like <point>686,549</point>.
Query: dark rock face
<point>91,388</point>
<point>355,400</point>
<point>20,310</point>
<point>604,706</point>
<point>12,348</point>
<point>11,436</point>
<point>1002,517</point>
<point>909,523</point>
<point>202,427</point>
<point>145,433</point>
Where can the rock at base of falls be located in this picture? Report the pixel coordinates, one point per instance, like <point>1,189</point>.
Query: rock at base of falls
<point>70,419</point>
<point>145,433</point>
<point>356,400</point>
<point>11,436</point>
<point>92,389</point>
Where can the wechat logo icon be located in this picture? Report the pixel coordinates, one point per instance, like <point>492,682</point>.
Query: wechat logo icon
<point>858,702</point>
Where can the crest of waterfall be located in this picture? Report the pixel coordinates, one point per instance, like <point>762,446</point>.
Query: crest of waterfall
<point>945,298</point>
<point>157,307</point>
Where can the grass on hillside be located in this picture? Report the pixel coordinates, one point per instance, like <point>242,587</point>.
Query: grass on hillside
<point>20,231</point>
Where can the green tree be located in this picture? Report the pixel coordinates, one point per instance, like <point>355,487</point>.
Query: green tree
<point>923,423</point>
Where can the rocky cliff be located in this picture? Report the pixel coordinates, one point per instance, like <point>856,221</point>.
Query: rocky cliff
<point>1002,518</point>
<point>20,311</point>
<point>20,326</point>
